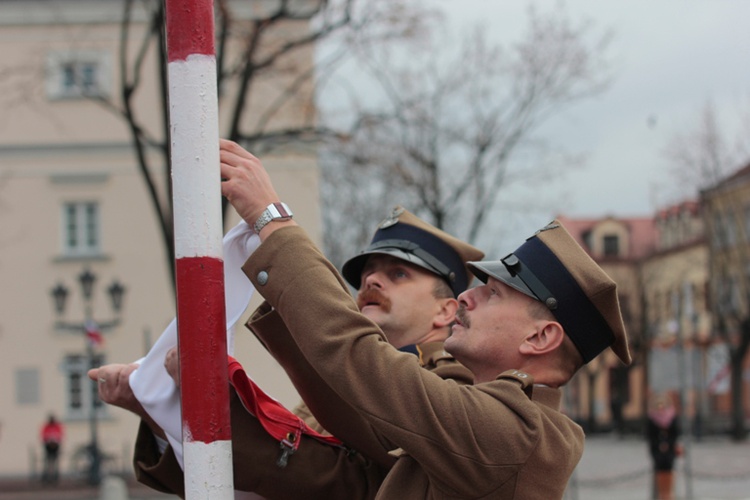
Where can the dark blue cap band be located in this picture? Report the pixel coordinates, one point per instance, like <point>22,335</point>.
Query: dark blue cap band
<point>583,322</point>
<point>405,241</point>
<point>440,256</point>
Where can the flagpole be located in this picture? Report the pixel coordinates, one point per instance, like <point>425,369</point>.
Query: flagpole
<point>199,264</point>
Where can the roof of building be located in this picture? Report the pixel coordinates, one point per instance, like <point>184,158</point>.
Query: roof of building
<point>642,231</point>
<point>691,206</point>
<point>740,175</point>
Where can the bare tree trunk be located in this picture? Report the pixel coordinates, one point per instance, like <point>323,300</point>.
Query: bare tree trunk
<point>738,430</point>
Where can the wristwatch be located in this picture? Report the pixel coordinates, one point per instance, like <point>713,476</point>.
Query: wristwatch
<point>274,211</point>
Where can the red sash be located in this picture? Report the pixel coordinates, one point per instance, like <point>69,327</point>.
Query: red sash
<point>278,421</point>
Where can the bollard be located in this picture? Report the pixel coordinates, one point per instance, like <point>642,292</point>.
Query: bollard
<point>113,488</point>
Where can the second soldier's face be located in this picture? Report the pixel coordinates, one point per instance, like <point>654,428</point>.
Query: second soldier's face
<point>491,323</point>
<point>399,297</point>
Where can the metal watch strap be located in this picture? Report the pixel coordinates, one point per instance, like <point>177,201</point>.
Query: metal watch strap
<point>274,211</point>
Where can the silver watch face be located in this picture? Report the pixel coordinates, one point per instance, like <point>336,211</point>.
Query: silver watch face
<point>279,211</point>
<point>272,211</point>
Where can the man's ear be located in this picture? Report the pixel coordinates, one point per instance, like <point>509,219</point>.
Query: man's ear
<point>446,314</point>
<point>547,337</point>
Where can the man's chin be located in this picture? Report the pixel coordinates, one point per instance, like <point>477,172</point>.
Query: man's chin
<point>372,311</point>
<point>450,342</point>
<point>456,337</point>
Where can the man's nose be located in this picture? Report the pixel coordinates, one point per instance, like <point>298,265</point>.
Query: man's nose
<point>467,298</point>
<point>372,280</point>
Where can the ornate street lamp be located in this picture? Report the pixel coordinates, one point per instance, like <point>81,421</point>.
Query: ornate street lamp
<point>60,294</point>
<point>116,291</point>
<point>87,279</point>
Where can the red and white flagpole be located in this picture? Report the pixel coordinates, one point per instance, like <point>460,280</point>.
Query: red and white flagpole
<point>199,264</point>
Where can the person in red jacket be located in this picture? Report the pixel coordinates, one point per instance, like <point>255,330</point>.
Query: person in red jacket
<point>52,435</point>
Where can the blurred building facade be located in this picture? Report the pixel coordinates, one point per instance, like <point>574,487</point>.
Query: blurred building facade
<point>682,279</point>
<point>727,216</point>
<point>605,393</point>
<point>72,199</point>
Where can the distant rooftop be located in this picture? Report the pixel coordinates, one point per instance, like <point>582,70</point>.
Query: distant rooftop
<point>642,231</point>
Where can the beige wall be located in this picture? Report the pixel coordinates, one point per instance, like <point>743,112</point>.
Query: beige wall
<point>75,150</point>
<point>667,273</point>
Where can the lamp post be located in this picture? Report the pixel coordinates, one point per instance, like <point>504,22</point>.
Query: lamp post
<point>91,333</point>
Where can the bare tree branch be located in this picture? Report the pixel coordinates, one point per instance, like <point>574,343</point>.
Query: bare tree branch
<point>451,135</point>
<point>708,165</point>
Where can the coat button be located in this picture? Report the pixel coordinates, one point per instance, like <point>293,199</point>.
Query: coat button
<point>262,278</point>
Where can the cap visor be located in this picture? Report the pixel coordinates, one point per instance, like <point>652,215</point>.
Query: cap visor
<point>352,268</point>
<point>496,269</point>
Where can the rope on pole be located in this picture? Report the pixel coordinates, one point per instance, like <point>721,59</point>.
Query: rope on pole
<point>199,264</point>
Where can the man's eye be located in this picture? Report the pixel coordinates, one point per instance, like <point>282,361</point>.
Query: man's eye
<point>400,274</point>
<point>493,291</point>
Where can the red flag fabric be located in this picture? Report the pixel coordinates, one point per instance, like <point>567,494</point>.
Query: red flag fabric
<point>278,421</point>
<point>93,335</point>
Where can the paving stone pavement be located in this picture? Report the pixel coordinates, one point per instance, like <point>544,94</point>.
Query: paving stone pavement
<point>68,489</point>
<point>611,468</point>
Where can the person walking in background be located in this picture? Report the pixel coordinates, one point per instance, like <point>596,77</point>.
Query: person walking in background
<point>663,432</point>
<point>52,436</point>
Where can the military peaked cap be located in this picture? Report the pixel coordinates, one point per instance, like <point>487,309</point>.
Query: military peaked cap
<point>407,237</point>
<point>553,268</point>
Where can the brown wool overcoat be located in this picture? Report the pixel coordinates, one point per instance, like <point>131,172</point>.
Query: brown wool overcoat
<point>316,470</point>
<point>504,439</point>
<point>333,413</point>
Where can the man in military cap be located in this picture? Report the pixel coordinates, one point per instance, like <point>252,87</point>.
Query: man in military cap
<point>542,312</point>
<point>407,281</point>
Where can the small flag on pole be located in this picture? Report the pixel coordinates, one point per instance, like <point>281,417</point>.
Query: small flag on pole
<point>93,335</point>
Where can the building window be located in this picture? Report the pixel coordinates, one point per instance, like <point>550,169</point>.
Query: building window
<point>586,237</point>
<point>673,308</point>
<point>81,228</point>
<point>725,230</point>
<point>611,245</point>
<point>81,391</point>
<point>717,231</point>
<point>78,74</point>
<point>728,295</point>
<point>80,77</point>
<point>656,312</point>
<point>27,386</point>
<point>731,229</point>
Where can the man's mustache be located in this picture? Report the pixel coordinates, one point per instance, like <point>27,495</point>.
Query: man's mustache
<point>462,317</point>
<point>373,296</point>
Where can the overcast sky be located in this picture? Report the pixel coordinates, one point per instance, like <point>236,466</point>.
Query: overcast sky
<point>670,57</point>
